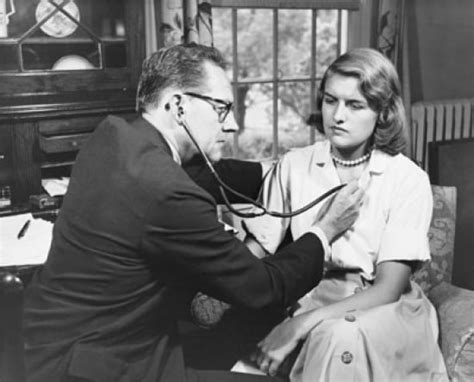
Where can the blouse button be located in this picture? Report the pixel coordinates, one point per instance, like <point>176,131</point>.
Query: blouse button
<point>357,290</point>
<point>347,357</point>
<point>350,318</point>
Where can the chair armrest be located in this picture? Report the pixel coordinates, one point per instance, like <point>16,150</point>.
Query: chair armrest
<point>455,308</point>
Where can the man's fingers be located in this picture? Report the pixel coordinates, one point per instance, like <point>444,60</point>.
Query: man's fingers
<point>359,195</point>
<point>260,359</point>
<point>253,356</point>
<point>264,365</point>
<point>350,187</point>
<point>274,366</point>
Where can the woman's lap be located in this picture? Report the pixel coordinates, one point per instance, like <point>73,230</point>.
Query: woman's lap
<point>396,341</point>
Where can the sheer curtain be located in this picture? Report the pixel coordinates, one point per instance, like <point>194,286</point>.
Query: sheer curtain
<point>181,21</point>
<point>392,40</point>
<point>171,22</point>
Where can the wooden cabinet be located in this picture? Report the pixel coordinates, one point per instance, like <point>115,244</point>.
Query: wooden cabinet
<point>64,65</point>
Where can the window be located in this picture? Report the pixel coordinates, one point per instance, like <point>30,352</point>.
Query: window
<point>278,51</point>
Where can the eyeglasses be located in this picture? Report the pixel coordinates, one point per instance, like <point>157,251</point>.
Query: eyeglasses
<point>221,107</point>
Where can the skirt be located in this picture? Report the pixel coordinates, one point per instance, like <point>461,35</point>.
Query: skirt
<point>392,342</point>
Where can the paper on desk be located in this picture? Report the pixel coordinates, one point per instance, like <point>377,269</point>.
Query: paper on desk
<point>54,186</point>
<point>246,367</point>
<point>32,248</point>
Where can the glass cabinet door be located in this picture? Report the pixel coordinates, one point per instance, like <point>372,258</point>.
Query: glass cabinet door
<point>58,35</point>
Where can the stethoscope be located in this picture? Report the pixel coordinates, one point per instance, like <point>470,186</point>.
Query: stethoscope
<point>262,209</point>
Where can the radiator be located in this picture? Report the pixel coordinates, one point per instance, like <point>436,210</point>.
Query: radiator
<point>439,121</point>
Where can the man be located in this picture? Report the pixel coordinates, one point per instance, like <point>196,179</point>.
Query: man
<point>136,238</point>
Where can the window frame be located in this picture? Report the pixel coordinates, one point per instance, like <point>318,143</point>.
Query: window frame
<point>342,7</point>
<point>289,4</point>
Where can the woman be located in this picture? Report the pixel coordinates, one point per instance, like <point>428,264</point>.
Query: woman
<point>365,320</point>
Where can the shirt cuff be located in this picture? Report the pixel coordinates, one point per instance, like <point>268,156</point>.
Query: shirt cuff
<point>324,241</point>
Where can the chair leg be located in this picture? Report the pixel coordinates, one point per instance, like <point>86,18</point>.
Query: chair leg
<point>12,360</point>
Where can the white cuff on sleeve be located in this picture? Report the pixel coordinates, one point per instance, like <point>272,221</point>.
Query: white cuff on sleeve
<point>324,241</point>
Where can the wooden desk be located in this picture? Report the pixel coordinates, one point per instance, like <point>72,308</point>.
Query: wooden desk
<point>13,281</point>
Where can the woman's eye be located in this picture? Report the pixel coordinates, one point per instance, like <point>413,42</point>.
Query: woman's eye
<point>356,106</point>
<point>329,100</point>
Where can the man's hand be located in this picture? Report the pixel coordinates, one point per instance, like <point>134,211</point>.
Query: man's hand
<point>340,212</point>
<point>277,345</point>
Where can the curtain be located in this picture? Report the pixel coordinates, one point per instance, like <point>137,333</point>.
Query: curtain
<point>392,40</point>
<point>150,27</point>
<point>180,21</point>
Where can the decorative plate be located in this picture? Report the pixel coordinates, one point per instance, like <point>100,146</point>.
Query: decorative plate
<point>58,25</point>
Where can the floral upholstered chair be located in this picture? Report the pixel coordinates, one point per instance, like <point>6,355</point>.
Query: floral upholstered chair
<point>454,305</point>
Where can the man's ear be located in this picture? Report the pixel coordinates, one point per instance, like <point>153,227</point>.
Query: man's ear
<point>175,106</point>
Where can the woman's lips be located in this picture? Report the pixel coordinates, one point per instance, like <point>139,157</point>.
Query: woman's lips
<point>338,129</point>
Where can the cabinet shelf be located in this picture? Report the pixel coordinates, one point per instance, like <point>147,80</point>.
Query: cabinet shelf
<point>56,164</point>
<point>64,40</point>
<point>47,110</point>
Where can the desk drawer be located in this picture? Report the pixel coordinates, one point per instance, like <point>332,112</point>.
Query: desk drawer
<point>62,143</point>
<point>69,126</point>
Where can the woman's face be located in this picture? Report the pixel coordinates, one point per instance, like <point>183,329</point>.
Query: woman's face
<point>347,118</point>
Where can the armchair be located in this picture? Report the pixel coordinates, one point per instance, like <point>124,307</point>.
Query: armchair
<point>454,305</point>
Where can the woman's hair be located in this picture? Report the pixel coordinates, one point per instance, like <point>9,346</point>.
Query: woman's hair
<point>380,85</point>
<point>180,66</point>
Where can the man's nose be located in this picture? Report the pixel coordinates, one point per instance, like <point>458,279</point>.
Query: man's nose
<point>339,112</point>
<point>230,125</point>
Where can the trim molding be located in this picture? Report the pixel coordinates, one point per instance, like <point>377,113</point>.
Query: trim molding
<point>290,4</point>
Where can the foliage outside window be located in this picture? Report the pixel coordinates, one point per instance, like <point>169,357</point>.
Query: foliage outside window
<point>277,57</point>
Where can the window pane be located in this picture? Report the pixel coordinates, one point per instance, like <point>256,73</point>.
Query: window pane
<point>9,58</point>
<point>254,30</point>
<point>293,112</point>
<point>294,42</point>
<point>326,42</point>
<point>60,56</point>
<point>105,17</point>
<point>222,33</point>
<point>115,55</point>
<point>256,132</point>
<point>254,102</point>
<point>22,19</point>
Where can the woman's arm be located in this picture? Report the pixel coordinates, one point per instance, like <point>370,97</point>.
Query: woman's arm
<point>391,281</point>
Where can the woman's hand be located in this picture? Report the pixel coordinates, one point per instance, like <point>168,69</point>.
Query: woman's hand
<point>279,343</point>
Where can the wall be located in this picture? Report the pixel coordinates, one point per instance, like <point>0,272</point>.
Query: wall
<point>441,46</point>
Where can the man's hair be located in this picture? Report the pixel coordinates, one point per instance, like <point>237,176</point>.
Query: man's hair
<point>180,66</point>
<point>380,85</point>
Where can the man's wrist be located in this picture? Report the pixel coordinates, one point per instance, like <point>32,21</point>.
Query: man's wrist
<point>324,241</point>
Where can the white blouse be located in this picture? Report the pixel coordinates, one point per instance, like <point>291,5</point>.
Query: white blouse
<point>394,218</point>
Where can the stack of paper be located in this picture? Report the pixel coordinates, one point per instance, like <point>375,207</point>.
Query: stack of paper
<point>23,243</point>
<point>55,187</point>
<point>244,366</point>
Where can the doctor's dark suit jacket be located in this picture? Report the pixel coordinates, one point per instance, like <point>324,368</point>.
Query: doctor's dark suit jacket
<point>134,239</point>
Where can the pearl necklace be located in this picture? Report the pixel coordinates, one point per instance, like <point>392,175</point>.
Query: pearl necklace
<point>351,163</point>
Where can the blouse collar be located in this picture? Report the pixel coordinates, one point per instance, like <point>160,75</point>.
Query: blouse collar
<point>376,165</point>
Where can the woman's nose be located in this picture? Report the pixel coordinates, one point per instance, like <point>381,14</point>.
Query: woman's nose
<point>339,112</point>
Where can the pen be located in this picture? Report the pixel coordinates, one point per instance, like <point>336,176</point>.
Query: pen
<point>24,229</point>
